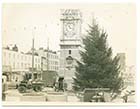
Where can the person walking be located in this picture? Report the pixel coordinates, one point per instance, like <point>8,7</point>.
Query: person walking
<point>4,89</point>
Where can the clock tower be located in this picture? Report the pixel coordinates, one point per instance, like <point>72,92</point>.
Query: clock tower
<point>69,44</point>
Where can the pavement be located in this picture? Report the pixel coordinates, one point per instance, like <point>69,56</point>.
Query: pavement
<point>12,92</point>
<point>117,100</point>
<point>14,95</point>
<point>73,98</point>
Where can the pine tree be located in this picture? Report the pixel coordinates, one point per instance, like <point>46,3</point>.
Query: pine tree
<point>97,68</point>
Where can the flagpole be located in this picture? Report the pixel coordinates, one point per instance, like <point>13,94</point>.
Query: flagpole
<point>33,54</point>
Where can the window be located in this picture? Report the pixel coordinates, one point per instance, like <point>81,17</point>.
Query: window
<point>4,54</point>
<point>18,56</point>
<point>25,58</point>
<point>25,66</point>
<point>21,65</point>
<point>13,56</point>
<point>38,66</point>
<point>13,65</point>
<point>9,55</point>
<point>69,51</point>
<point>18,65</point>
<point>21,57</point>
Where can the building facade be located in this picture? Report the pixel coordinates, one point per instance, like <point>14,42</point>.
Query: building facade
<point>69,44</point>
<point>51,59</point>
<point>127,72</point>
<point>50,66</point>
<point>122,61</point>
<point>130,77</point>
<point>15,64</point>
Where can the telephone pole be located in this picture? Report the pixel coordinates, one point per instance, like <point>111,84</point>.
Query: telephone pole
<point>33,59</point>
<point>47,48</point>
<point>33,53</point>
<point>48,55</point>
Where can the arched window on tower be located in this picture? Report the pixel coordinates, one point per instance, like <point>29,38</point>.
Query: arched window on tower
<point>69,52</point>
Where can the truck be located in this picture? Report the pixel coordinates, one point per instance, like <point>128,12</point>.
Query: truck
<point>28,83</point>
<point>49,78</point>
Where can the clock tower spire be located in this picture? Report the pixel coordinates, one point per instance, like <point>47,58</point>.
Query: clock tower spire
<point>69,43</point>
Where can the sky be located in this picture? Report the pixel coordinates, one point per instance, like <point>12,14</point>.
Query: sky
<point>118,20</point>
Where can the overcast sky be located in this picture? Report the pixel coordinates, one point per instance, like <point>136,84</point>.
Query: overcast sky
<point>119,21</point>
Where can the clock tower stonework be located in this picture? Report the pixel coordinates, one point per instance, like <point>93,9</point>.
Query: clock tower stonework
<point>70,42</point>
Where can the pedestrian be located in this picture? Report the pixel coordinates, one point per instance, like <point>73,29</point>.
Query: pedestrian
<point>124,95</point>
<point>4,89</point>
<point>16,84</point>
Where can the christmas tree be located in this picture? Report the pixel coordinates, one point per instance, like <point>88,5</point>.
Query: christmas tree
<point>97,68</point>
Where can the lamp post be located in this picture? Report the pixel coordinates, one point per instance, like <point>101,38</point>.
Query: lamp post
<point>69,66</point>
<point>42,65</point>
<point>33,53</point>
<point>33,59</point>
<point>69,61</point>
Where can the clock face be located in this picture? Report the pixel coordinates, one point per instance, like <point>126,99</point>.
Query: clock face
<point>69,29</point>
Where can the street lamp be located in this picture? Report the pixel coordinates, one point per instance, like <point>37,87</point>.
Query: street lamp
<point>33,53</point>
<point>69,61</point>
<point>69,65</point>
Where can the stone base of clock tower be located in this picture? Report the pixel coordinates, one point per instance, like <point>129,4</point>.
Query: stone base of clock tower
<point>68,70</point>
